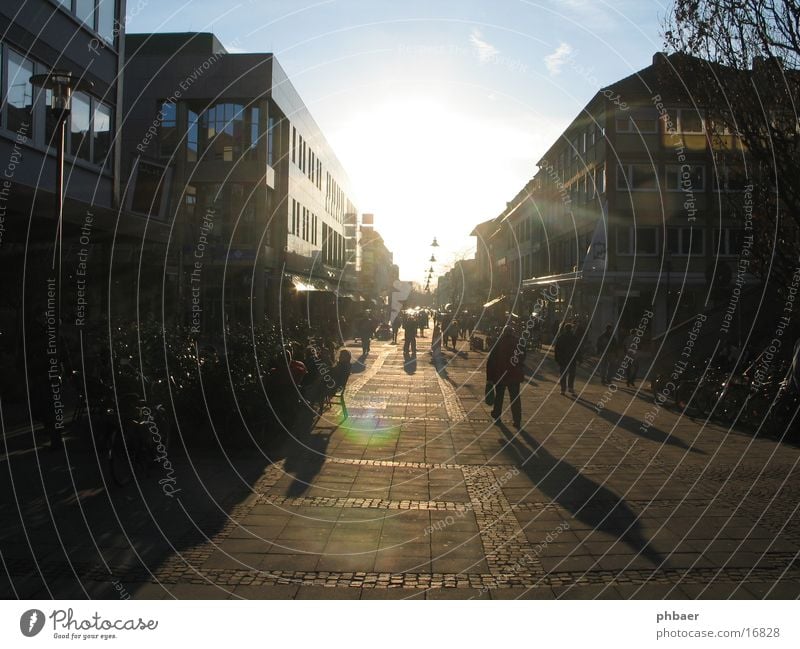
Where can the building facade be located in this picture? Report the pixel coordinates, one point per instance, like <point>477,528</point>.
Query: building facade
<point>94,254</point>
<point>221,147</point>
<point>636,213</point>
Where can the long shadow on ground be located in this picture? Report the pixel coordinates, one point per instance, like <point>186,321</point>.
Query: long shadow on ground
<point>635,426</point>
<point>587,501</point>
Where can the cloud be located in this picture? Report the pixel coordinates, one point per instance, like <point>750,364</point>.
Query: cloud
<point>556,60</point>
<point>486,51</point>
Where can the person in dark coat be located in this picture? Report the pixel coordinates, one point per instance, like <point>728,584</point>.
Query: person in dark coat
<point>608,350</point>
<point>410,331</point>
<point>365,330</point>
<point>567,352</point>
<point>505,369</point>
<point>396,324</point>
<point>340,372</point>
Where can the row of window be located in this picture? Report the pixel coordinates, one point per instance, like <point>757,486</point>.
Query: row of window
<point>644,240</point>
<point>225,131</point>
<point>303,223</point>
<point>305,158</point>
<point>333,247</point>
<point>336,201</point>
<point>99,15</point>
<point>675,121</point>
<point>89,132</point>
<point>689,177</point>
<point>229,206</point>
<point>638,120</point>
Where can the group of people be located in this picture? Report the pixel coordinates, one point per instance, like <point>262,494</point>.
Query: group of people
<point>505,365</point>
<point>408,320</point>
<point>611,351</point>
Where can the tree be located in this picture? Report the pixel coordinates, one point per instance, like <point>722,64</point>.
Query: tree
<point>743,58</point>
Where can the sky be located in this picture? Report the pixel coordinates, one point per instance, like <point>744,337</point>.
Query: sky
<point>438,110</point>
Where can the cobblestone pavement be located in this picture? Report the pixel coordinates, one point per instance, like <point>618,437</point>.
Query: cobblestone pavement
<point>419,494</point>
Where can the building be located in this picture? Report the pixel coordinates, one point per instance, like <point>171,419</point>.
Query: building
<point>635,214</point>
<point>95,264</point>
<point>459,287</point>
<point>221,147</point>
<point>378,270</point>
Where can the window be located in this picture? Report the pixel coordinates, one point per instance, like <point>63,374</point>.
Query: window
<point>294,144</point>
<point>730,178</point>
<point>254,133</point>
<point>683,120</point>
<point>168,130</point>
<point>690,121</point>
<point>225,131</point>
<point>223,127</point>
<point>270,142</point>
<point>18,92</point>
<point>636,177</point>
<point>105,20</point>
<point>727,242</point>
<point>80,126</point>
<point>101,133</point>
<point>84,10</point>
<point>688,178</point>
<point>637,240</point>
<point>600,179</point>
<point>639,121</point>
<point>99,15</point>
<point>190,201</point>
<point>685,241</point>
<point>192,136</point>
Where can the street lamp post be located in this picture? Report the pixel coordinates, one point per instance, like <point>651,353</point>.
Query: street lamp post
<point>668,265</point>
<point>61,84</point>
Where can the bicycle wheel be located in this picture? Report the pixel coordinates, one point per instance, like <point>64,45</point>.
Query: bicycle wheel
<point>121,460</point>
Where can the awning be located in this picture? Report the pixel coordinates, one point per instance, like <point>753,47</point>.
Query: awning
<point>552,279</point>
<point>494,301</point>
<point>304,284</point>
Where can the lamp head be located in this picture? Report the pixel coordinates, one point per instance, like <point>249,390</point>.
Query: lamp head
<point>61,84</point>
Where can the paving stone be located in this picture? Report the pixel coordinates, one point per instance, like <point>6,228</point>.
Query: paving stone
<point>419,495</point>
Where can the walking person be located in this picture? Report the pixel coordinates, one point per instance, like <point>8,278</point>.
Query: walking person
<point>630,350</point>
<point>366,329</point>
<point>607,349</point>
<point>505,370</point>
<point>452,332</point>
<point>567,353</point>
<point>396,328</point>
<point>410,342</point>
